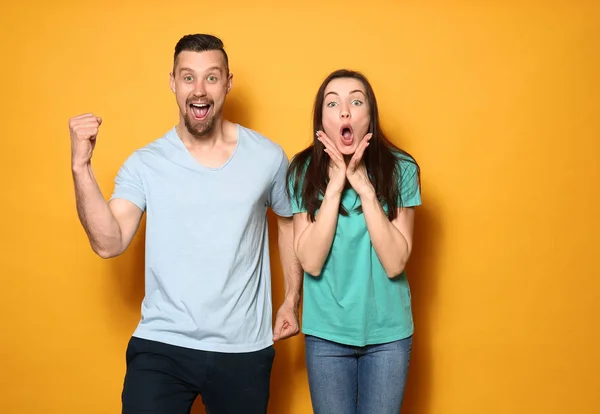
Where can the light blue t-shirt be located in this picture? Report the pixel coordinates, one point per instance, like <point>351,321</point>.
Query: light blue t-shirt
<point>353,301</point>
<point>207,271</point>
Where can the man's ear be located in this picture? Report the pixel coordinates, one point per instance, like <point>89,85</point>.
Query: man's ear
<point>229,82</point>
<point>172,82</point>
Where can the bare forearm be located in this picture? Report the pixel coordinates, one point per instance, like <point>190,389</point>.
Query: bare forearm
<point>292,270</point>
<point>315,242</point>
<point>94,213</point>
<point>390,245</point>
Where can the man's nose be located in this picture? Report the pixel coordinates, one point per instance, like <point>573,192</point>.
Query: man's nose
<point>200,89</point>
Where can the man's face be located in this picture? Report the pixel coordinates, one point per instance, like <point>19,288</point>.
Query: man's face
<point>200,81</point>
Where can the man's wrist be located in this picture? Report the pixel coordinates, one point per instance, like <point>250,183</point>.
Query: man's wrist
<point>80,168</point>
<point>292,299</point>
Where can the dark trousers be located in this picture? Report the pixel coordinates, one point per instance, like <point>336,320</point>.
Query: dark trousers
<point>166,379</point>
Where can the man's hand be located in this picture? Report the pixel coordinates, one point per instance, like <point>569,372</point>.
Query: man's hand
<point>286,322</point>
<point>83,130</point>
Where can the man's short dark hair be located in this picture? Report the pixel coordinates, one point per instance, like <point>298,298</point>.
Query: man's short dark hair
<point>199,43</point>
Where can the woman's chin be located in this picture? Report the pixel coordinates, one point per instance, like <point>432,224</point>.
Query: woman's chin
<point>345,150</point>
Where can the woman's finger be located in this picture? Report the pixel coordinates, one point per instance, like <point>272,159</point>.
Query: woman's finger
<point>360,151</point>
<point>332,150</point>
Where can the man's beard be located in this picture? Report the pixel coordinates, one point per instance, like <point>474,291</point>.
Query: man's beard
<point>202,128</point>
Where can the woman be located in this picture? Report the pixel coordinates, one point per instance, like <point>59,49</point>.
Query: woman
<point>353,194</point>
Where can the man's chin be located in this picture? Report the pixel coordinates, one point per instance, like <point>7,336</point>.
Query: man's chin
<point>200,129</point>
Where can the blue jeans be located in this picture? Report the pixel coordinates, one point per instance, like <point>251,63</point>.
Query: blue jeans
<point>347,379</point>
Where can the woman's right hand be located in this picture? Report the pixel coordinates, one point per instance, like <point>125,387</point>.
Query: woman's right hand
<point>337,166</point>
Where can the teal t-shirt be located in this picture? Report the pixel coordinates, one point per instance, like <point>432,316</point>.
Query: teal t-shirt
<point>353,301</point>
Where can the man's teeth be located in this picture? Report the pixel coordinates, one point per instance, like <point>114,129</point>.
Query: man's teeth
<point>200,105</point>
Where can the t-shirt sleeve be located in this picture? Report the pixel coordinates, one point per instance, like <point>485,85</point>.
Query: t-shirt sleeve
<point>278,197</point>
<point>129,184</point>
<point>410,192</point>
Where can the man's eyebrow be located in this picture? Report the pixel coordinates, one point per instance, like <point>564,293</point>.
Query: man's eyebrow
<point>220,69</point>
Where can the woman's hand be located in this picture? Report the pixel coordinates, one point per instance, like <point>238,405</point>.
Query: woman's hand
<point>356,172</point>
<point>337,166</point>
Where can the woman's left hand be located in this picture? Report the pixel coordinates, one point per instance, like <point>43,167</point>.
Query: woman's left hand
<point>356,172</point>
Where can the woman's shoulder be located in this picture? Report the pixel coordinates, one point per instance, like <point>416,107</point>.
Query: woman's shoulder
<point>405,162</point>
<point>299,162</point>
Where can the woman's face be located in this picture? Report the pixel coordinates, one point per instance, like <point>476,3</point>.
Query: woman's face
<point>346,113</point>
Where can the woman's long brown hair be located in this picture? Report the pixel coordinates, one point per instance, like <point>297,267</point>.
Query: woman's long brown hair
<point>308,171</point>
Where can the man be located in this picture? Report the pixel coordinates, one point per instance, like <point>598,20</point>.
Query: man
<point>205,186</point>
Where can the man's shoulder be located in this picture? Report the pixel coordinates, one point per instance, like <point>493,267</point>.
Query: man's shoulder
<point>160,144</point>
<point>159,147</point>
<point>259,141</point>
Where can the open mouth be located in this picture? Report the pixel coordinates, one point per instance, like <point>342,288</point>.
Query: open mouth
<point>200,111</point>
<point>347,134</point>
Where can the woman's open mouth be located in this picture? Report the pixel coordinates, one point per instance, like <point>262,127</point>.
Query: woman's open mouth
<point>347,134</point>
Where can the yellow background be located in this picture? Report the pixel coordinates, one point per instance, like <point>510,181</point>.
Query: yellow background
<point>498,102</point>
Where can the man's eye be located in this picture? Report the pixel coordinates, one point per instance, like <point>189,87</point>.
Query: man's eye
<point>188,78</point>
